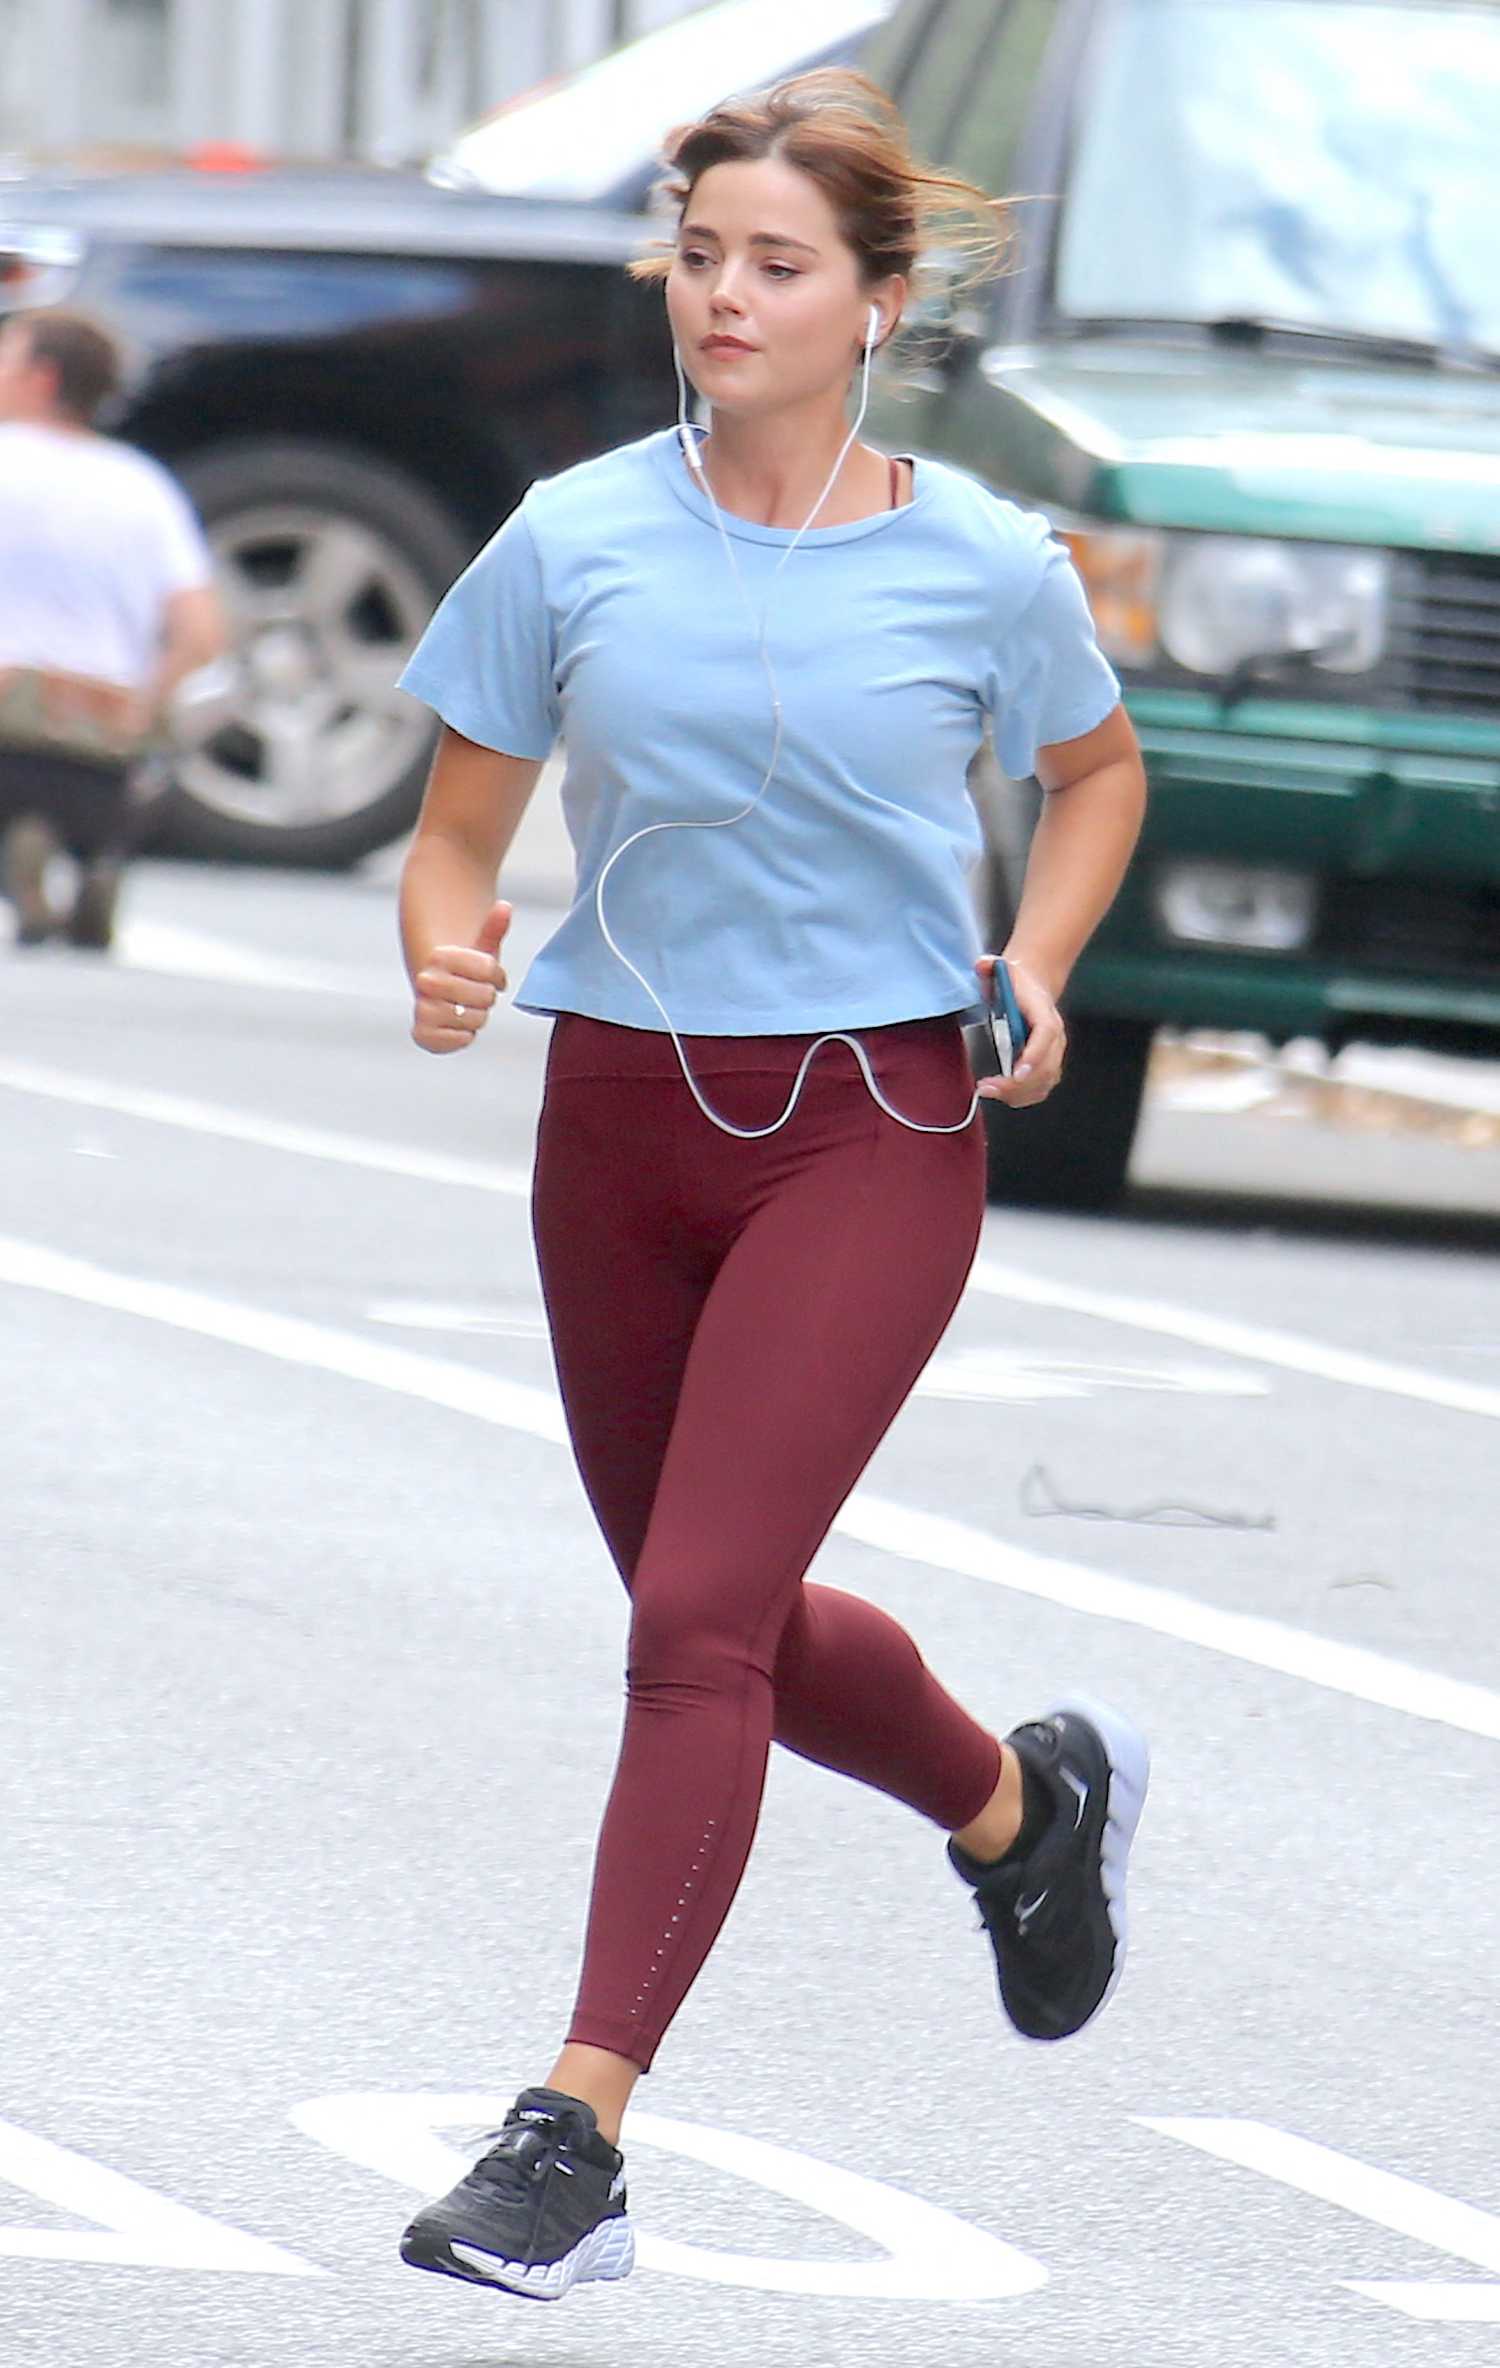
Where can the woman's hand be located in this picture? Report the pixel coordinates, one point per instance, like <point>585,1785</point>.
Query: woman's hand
<point>456,987</point>
<point>1039,1062</point>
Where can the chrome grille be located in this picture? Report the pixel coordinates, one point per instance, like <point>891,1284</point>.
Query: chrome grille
<point>1444,632</point>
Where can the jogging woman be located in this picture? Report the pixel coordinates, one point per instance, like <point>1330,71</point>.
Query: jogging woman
<point>760,1167</point>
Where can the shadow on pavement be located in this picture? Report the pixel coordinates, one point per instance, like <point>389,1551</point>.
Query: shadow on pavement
<point>1209,1210</point>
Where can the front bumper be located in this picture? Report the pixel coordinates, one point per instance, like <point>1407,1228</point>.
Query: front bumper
<point>1400,836</point>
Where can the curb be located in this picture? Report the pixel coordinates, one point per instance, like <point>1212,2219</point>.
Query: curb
<point>1372,1087</point>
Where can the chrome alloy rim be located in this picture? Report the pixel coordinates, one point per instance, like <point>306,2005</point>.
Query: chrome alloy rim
<point>303,723</point>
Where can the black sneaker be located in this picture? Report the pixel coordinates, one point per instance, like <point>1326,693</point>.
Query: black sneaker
<point>92,920</point>
<point>542,2211</point>
<point>1056,1916</point>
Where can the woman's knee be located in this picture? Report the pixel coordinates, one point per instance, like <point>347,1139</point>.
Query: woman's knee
<point>686,1636</point>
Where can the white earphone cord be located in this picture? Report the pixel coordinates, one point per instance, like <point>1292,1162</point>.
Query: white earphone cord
<point>758,626</point>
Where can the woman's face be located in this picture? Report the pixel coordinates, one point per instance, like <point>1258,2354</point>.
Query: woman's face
<point>762,264</point>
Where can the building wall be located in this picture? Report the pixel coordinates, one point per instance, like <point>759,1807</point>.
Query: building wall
<point>386,80</point>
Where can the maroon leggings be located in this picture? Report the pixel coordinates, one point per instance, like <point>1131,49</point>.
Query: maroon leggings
<point>736,1325</point>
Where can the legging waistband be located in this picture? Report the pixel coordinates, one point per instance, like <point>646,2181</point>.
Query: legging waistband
<point>582,1047</point>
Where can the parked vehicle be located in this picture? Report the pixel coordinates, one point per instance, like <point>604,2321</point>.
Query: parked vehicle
<point>1249,362</point>
<point>594,135</point>
<point>356,374</point>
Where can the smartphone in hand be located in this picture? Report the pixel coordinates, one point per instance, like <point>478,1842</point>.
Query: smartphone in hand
<point>1007,1026</point>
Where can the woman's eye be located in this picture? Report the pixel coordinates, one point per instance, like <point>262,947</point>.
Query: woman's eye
<point>694,258</point>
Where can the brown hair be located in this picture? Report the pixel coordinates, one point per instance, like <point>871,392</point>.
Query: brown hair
<point>86,359</point>
<point>848,136</point>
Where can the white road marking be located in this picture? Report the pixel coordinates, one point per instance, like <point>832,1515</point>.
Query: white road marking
<point>1391,2202</point>
<point>1433,2298</point>
<point>929,1538</point>
<point>926,2255</point>
<point>463,1389</point>
<point>1005,1376</point>
<point>189,953</point>
<point>147,2230</point>
<point>442,1315</point>
<point>1293,1352</point>
<point>943,1544</point>
<point>267,1134</point>
<point>1261,1345</point>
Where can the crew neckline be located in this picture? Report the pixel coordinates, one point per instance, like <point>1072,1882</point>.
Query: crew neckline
<point>690,493</point>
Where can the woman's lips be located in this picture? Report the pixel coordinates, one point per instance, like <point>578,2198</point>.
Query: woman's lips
<point>726,345</point>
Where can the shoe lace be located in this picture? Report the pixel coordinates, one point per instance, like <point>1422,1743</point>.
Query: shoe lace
<point>521,2158</point>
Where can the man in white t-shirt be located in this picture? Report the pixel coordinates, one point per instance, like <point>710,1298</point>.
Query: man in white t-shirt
<point>106,603</point>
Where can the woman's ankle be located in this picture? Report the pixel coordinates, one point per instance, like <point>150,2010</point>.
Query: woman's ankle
<point>596,2078</point>
<point>989,1835</point>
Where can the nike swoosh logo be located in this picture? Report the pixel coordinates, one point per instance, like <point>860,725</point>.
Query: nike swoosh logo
<point>1027,1908</point>
<point>1080,1792</point>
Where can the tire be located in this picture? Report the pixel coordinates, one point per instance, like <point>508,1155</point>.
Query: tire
<point>1072,1151</point>
<point>330,566</point>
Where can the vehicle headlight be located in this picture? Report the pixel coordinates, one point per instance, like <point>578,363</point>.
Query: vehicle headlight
<point>1121,571</point>
<point>1208,602</point>
<point>1225,599</point>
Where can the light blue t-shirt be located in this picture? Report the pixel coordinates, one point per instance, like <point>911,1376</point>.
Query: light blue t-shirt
<point>605,611</point>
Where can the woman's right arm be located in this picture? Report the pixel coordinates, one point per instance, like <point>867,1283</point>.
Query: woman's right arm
<point>451,923</point>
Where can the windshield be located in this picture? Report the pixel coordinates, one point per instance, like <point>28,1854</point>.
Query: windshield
<point>1329,163</point>
<point>591,135</point>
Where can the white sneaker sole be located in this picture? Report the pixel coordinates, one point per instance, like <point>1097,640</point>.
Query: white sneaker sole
<point>1129,1759</point>
<point>605,2254</point>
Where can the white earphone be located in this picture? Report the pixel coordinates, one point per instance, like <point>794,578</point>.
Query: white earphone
<point>688,438</point>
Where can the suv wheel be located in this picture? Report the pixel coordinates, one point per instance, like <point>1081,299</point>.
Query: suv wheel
<point>329,566</point>
<point>1072,1151</point>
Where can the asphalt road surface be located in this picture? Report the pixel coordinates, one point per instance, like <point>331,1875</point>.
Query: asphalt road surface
<point>310,1681</point>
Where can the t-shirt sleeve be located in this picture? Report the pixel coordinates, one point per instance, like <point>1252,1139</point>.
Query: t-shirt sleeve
<point>487,661</point>
<point>1048,679</point>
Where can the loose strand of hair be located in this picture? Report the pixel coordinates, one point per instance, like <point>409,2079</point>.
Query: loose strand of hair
<point>946,210</point>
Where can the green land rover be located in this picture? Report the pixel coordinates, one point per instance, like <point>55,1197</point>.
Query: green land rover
<point>1248,361</point>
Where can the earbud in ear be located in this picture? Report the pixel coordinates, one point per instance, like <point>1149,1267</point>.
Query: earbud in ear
<point>873,326</point>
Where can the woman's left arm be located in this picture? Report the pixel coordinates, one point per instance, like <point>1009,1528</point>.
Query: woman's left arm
<point>1092,809</point>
